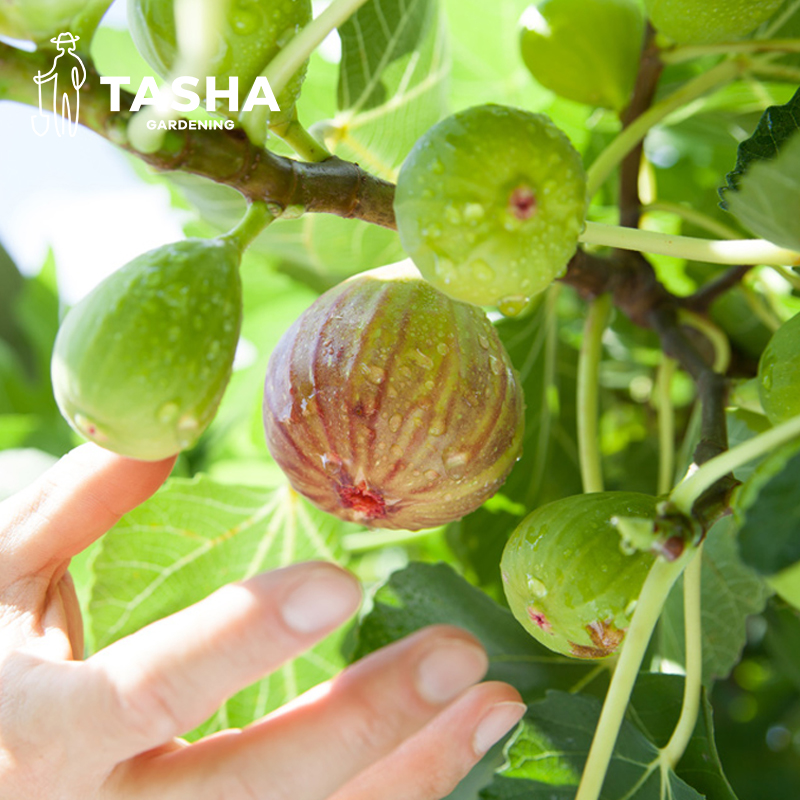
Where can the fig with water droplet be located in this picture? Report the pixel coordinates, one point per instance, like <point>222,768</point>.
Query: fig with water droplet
<point>141,363</point>
<point>252,35</point>
<point>490,203</point>
<point>584,50</point>
<point>779,373</point>
<point>709,21</point>
<point>569,579</point>
<point>389,404</point>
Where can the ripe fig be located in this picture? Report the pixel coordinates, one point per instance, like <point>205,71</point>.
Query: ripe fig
<point>489,205</point>
<point>568,580</point>
<point>141,363</point>
<point>709,21</point>
<point>584,50</point>
<point>389,404</point>
<point>779,373</point>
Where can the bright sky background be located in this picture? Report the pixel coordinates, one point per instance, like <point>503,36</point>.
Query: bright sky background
<point>78,195</point>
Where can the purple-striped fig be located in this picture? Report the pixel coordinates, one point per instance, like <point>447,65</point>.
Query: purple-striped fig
<point>569,578</point>
<point>389,404</point>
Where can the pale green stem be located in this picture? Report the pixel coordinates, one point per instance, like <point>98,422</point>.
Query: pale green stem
<point>302,142</point>
<point>712,251</point>
<point>681,736</point>
<point>694,217</point>
<point>660,579</point>
<point>256,218</point>
<point>666,425</point>
<point>776,71</point>
<point>792,278</point>
<point>293,56</point>
<point>701,478</point>
<point>588,386</point>
<point>719,341</point>
<point>760,308</point>
<point>629,137</point>
<point>690,52</point>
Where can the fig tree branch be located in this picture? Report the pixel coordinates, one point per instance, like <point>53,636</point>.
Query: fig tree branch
<point>332,186</point>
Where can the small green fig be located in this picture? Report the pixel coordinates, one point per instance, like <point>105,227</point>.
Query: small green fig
<point>779,373</point>
<point>569,579</point>
<point>489,205</point>
<point>254,32</point>
<point>709,21</point>
<point>389,404</point>
<point>584,50</point>
<point>141,363</point>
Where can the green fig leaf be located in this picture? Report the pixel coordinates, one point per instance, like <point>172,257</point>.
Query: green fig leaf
<point>195,536</point>
<point>768,505</point>
<point>378,34</point>
<point>430,594</point>
<point>546,757</point>
<point>731,592</point>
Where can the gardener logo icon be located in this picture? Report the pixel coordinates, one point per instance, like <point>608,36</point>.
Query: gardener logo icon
<point>68,115</point>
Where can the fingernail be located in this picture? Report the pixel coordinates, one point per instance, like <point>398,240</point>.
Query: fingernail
<point>325,599</point>
<point>449,669</point>
<point>500,719</point>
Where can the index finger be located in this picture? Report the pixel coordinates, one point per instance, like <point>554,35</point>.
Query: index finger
<point>75,502</point>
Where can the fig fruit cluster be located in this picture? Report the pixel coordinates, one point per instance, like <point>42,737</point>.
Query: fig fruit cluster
<point>489,205</point>
<point>141,363</point>
<point>389,404</point>
<point>569,579</point>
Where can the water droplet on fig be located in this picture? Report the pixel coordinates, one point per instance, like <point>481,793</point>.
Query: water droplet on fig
<point>536,587</point>
<point>452,214</point>
<point>445,269</point>
<point>168,412</point>
<point>438,427</point>
<point>187,430</point>
<point>437,167</point>
<point>442,349</point>
<point>396,450</point>
<point>426,362</point>
<point>395,422</point>
<point>495,366</point>
<point>431,474</point>
<point>375,374</point>
<point>482,271</point>
<point>513,305</point>
<point>473,212</point>
<point>455,462</point>
<point>484,342</point>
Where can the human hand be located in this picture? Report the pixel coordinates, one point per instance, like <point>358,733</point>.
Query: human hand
<point>406,722</point>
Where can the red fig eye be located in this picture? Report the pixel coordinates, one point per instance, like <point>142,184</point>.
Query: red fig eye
<point>417,415</point>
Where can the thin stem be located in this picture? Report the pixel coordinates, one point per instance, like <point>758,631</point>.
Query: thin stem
<point>302,142</point>
<point>690,52</point>
<point>712,251</point>
<point>588,386</point>
<point>719,341</point>
<point>256,218</point>
<point>701,478</point>
<point>291,58</point>
<point>630,136</point>
<point>694,217</point>
<point>666,425</point>
<point>681,736</point>
<point>662,576</point>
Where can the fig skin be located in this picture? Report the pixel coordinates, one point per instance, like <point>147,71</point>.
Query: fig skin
<point>567,579</point>
<point>389,404</point>
<point>779,373</point>
<point>141,363</point>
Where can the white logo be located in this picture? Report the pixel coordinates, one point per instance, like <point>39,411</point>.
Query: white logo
<point>77,73</point>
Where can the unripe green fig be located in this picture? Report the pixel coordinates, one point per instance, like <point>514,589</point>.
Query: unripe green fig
<point>254,32</point>
<point>779,373</point>
<point>489,205</point>
<point>708,21</point>
<point>568,578</point>
<point>389,404</point>
<point>584,50</point>
<point>141,363</point>
<point>38,20</point>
